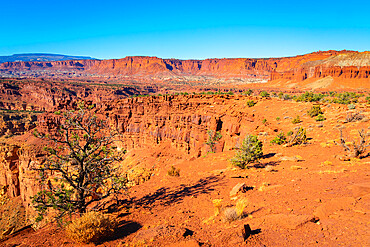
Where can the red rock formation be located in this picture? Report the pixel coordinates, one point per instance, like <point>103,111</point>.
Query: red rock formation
<point>149,66</point>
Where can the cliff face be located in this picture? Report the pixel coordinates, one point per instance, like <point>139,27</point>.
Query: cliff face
<point>154,66</point>
<point>180,122</point>
<point>346,66</point>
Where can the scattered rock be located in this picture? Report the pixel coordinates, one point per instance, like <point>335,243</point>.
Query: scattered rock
<point>240,187</point>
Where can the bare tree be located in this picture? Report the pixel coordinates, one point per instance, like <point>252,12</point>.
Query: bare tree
<point>358,148</point>
<point>80,168</point>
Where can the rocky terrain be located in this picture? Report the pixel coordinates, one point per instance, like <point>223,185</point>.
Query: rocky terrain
<point>313,194</point>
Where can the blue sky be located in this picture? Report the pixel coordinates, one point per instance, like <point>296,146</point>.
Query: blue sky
<point>183,29</point>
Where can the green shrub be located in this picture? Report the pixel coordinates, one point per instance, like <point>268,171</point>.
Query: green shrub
<point>249,92</point>
<point>280,95</point>
<point>264,120</point>
<point>351,106</point>
<point>251,103</point>
<point>289,133</point>
<point>213,138</point>
<point>287,97</point>
<point>279,139</point>
<point>296,120</point>
<point>264,94</point>
<point>315,111</point>
<point>368,99</point>
<point>320,117</point>
<point>278,119</point>
<point>249,151</point>
<point>309,97</point>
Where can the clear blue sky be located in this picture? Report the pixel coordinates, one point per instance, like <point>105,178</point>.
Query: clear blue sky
<point>183,29</point>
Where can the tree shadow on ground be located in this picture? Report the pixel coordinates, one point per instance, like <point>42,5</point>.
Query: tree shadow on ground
<point>263,165</point>
<point>168,196</point>
<point>124,229</point>
<point>269,155</point>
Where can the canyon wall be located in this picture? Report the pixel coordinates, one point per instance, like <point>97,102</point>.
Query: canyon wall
<point>179,121</point>
<point>154,66</point>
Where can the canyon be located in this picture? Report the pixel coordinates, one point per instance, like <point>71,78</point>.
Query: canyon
<point>163,110</point>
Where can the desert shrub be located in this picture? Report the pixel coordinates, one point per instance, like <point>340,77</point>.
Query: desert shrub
<point>351,106</point>
<point>230,214</point>
<point>249,151</point>
<point>248,92</point>
<point>309,97</point>
<point>320,117</point>
<point>264,94</point>
<point>173,172</point>
<point>289,133</point>
<point>315,111</point>
<point>264,120</point>
<point>277,118</point>
<point>355,149</point>
<point>213,138</point>
<point>279,139</point>
<point>299,137</point>
<point>296,120</point>
<point>346,98</point>
<point>251,103</point>
<point>91,227</point>
<point>368,99</point>
<point>354,116</point>
<point>237,212</point>
<point>287,97</point>
<point>280,95</point>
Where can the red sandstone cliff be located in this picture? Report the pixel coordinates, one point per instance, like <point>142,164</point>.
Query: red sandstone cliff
<point>149,66</point>
<point>344,66</point>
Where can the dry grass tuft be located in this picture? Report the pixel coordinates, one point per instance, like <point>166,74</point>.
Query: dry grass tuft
<point>237,212</point>
<point>92,227</point>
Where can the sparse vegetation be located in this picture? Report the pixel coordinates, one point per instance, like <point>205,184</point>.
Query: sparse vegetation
<point>355,148</point>
<point>346,98</point>
<point>173,172</point>
<point>354,116</point>
<point>249,151</point>
<point>298,138</point>
<point>91,227</point>
<point>320,118</point>
<point>237,212</point>
<point>264,94</point>
<point>315,111</point>
<point>279,139</point>
<point>213,138</point>
<point>248,92</point>
<point>251,103</point>
<point>296,120</point>
<point>351,106</point>
<point>309,97</point>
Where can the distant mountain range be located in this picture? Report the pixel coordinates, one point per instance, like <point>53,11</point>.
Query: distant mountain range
<point>40,57</point>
